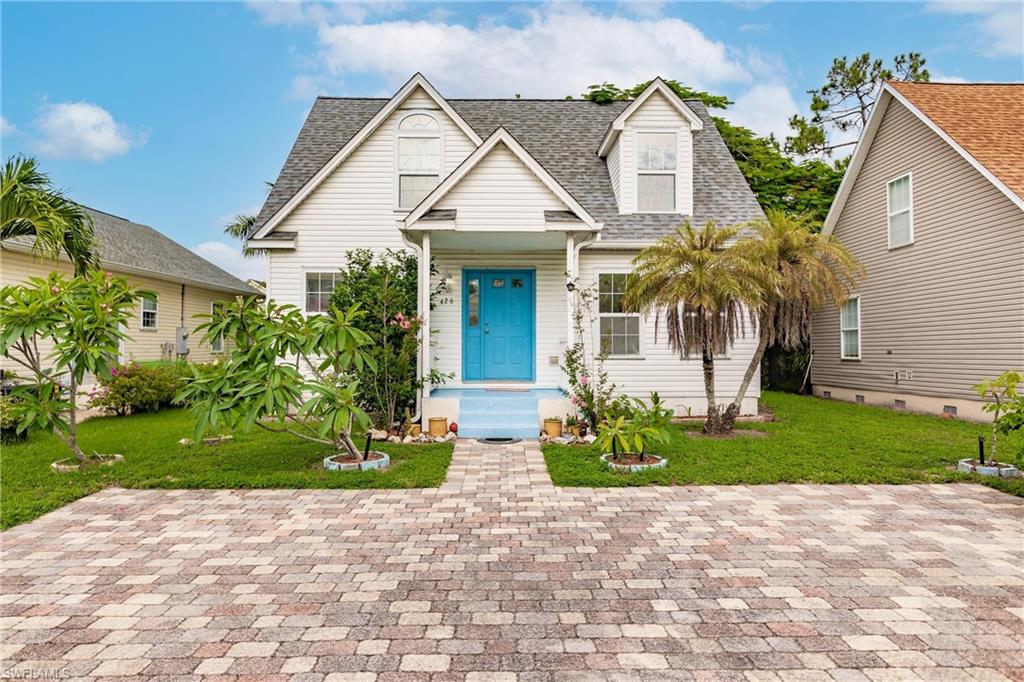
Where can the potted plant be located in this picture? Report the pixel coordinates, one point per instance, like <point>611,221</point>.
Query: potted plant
<point>626,441</point>
<point>572,423</point>
<point>553,427</point>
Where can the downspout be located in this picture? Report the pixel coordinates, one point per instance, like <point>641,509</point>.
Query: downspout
<point>418,250</point>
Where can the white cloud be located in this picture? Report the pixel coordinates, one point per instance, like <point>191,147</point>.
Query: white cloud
<point>998,27</point>
<point>294,13</point>
<point>765,109</point>
<point>7,128</point>
<point>556,50</point>
<point>944,78</point>
<point>647,8</point>
<point>81,130</point>
<point>229,257</point>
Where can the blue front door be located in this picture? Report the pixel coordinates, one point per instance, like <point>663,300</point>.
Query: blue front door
<point>498,325</point>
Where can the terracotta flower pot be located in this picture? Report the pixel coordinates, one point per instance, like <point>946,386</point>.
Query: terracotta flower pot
<point>438,426</point>
<point>553,427</point>
<point>415,430</point>
<point>576,431</point>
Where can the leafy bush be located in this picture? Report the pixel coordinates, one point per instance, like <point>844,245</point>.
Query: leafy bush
<point>640,428</point>
<point>384,287</point>
<point>9,419</point>
<point>590,391</point>
<point>136,387</point>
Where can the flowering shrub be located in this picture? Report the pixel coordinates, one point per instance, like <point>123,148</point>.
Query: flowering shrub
<point>384,287</point>
<point>134,388</point>
<point>590,392</point>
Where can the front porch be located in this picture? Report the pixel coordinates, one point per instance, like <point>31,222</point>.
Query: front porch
<point>496,412</point>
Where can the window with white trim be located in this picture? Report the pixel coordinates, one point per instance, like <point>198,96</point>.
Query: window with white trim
<point>655,172</point>
<point>319,287</point>
<point>419,158</point>
<point>148,316</point>
<point>900,209</point>
<point>849,329</point>
<point>619,330</point>
<point>217,344</point>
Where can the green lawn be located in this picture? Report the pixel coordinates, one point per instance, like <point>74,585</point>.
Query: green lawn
<point>153,459</point>
<point>812,440</point>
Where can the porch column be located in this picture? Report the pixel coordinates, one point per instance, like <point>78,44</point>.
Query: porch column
<point>570,272</point>
<point>424,291</point>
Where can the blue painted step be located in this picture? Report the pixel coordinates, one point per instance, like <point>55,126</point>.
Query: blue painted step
<point>498,415</point>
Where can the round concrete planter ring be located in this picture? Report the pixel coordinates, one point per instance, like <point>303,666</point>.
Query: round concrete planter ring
<point>362,465</point>
<point>660,463</point>
<point>997,469</point>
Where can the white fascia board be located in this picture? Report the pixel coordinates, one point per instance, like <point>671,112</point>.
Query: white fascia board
<point>657,85</point>
<point>499,136</point>
<point>417,81</point>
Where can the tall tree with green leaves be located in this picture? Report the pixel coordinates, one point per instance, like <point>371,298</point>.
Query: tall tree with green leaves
<point>840,108</point>
<point>30,206</point>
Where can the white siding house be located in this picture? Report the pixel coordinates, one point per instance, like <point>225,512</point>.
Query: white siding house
<point>511,200</point>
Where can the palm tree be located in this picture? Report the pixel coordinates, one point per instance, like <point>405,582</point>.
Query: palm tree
<point>806,271</point>
<point>30,206</point>
<point>705,291</point>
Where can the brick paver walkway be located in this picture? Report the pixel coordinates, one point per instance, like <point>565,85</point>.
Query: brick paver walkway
<point>498,575</point>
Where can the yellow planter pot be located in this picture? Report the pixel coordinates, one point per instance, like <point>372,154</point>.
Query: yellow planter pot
<point>553,427</point>
<point>438,426</point>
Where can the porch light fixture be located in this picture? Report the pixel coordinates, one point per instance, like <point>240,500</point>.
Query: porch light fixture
<point>570,286</point>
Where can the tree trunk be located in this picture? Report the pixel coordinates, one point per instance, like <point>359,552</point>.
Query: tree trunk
<point>72,437</point>
<point>736,405</point>
<point>713,422</point>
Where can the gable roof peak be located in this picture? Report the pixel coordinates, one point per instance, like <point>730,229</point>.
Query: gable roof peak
<point>657,85</point>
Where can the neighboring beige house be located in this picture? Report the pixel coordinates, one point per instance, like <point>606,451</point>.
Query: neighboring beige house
<point>184,284</point>
<point>933,206</point>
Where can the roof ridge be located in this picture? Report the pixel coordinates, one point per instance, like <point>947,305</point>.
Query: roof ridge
<point>1001,83</point>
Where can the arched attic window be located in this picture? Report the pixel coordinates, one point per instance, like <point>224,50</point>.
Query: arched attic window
<point>419,158</point>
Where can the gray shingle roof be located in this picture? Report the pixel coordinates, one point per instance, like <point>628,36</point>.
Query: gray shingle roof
<point>122,242</point>
<point>562,135</point>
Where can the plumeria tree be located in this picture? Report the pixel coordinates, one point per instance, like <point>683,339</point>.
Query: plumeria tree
<point>284,373</point>
<point>81,319</point>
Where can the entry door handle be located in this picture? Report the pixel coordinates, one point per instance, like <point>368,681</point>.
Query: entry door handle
<point>487,328</point>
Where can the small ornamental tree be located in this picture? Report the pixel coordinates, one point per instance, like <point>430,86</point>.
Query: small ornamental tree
<point>1002,395</point>
<point>590,391</point>
<point>82,318</point>
<point>285,373</point>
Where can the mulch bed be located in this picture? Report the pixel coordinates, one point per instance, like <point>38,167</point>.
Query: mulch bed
<point>631,458</point>
<point>349,459</point>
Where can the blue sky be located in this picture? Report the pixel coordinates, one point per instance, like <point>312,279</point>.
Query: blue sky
<point>174,114</point>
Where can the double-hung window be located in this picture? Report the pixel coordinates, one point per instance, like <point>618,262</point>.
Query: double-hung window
<point>148,317</point>
<point>319,287</point>
<point>419,158</point>
<point>849,329</point>
<point>655,172</point>
<point>619,330</point>
<point>900,210</point>
<point>216,309</point>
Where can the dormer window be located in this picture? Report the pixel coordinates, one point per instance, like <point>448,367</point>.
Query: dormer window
<point>419,158</point>
<point>655,172</point>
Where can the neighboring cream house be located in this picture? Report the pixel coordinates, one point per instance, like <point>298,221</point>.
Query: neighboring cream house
<point>513,201</point>
<point>184,285</point>
<point>933,206</point>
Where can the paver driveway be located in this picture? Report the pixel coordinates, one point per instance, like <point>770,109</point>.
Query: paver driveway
<point>498,575</point>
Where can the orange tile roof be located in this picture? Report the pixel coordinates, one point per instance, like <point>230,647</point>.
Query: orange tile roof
<point>985,119</point>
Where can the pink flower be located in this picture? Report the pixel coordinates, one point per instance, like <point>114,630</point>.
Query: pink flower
<point>405,324</point>
<point>584,380</point>
<point>574,400</point>
<point>54,290</point>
